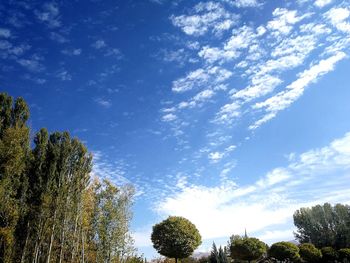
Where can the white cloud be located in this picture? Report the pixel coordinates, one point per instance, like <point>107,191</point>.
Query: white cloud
<point>200,77</point>
<point>49,14</point>
<point>243,3</point>
<point>64,75</point>
<point>212,54</point>
<point>207,16</point>
<point>5,33</point>
<point>103,102</point>
<point>98,44</point>
<point>58,38</point>
<point>338,16</point>
<point>316,176</point>
<point>32,64</point>
<point>228,113</point>
<point>113,171</point>
<point>241,38</point>
<point>292,92</point>
<point>72,52</point>
<point>284,20</point>
<point>216,156</point>
<point>261,85</point>
<point>270,236</point>
<point>142,237</point>
<point>322,3</point>
<point>169,117</point>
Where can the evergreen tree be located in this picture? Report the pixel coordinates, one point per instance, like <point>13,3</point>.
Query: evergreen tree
<point>214,255</point>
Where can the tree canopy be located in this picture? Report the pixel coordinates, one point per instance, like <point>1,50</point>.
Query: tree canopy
<point>176,237</point>
<point>247,248</point>
<point>284,251</point>
<point>309,253</point>
<point>49,210</point>
<point>324,225</point>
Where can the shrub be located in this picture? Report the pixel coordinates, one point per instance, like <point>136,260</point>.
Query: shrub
<point>310,253</point>
<point>329,254</point>
<point>344,254</point>
<point>247,248</point>
<point>285,251</point>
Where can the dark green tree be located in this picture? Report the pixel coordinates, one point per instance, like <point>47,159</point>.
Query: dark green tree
<point>309,253</point>
<point>176,237</point>
<point>247,248</point>
<point>222,256</point>
<point>324,225</point>
<point>329,255</point>
<point>14,158</point>
<point>214,254</point>
<point>284,251</point>
<point>344,255</point>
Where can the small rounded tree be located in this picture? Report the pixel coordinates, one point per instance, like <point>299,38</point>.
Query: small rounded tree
<point>284,251</point>
<point>309,253</point>
<point>247,248</point>
<point>176,237</point>
<point>344,254</point>
<point>329,255</point>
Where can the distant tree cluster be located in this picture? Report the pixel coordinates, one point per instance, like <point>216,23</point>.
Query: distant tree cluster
<point>322,232</point>
<point>49,209</point>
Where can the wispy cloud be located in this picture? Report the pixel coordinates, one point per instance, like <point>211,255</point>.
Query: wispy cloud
<point>49,14</point>
<point>272,199</point>
<point>265,59</point>
<point>33,63</point>
<point>293,91</point>
<point>207,16</point>
<point>5,33</point>
<point>103,102</point>
<point>243,3</point>
<point>58,37</point>
<point>98,44</point>
<point>72,52</point>
<point>200,78</point>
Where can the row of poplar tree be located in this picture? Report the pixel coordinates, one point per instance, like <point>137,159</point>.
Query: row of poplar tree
<point>50,208</point>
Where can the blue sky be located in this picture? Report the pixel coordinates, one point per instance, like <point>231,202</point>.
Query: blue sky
<point>232,113</point>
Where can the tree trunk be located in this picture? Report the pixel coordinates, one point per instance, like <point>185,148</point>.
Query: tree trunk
<point>25,244</point>
<point>83,248</point>
<point>62,239</point>
<point>51,238</point>
<point>74,236</point>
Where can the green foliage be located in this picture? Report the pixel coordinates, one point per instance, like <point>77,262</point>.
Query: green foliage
<point>324,225</point>
<point>176,237</point>
<point>309,253</point>
<point>344,254</point>
<point>14,157</point>
<point>222,256</point>
<point>214,255</point>
<point>48,210</point>
<point>329,254</point>
<point>247,248</point>
<point>284,251</point>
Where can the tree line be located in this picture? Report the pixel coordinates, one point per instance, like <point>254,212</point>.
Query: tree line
<point>323,235</point>
<point>51,210</point>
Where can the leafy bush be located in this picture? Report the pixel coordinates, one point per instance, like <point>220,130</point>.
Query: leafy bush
<point>284,251</point>
<point>329,254</point>
<point>247,248</point>
<point>310,253</point>
<point>344,254</point>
